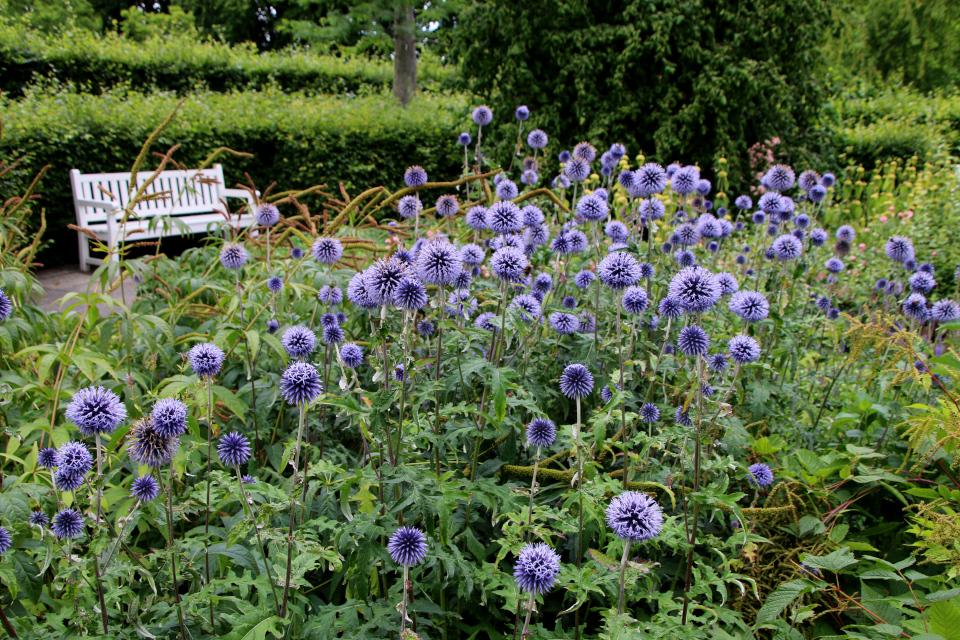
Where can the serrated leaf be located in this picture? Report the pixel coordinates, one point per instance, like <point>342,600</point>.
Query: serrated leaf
<point>943,595</point>
<point>834,561</point>
<point>945,619</point>
<point>780,599</point>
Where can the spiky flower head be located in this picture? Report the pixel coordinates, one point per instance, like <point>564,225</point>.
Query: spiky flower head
<point>834,265</point>
<point>205,359</point>
<point>922,282</point>
<point>649,413</point>
<point>38,518</point>
<point>542,283</point>
<point>73,462</point>
<point>509,264</point>
<point>233,449</point>
<point>584,278</point>
<point>693,341</point>
<point>507,190</point>
<point>300,384</point>
<point>408,546</point>
<point>717,363</point>
<point>149,447</point>
<point>833,314</point>
<point>828,180</point>
<point>687,235</point>
<point>410,294</point>
<point>299,341</point>
<point>96,410</point>
<point>68,523</point>
<point>464,139</point>
<point>568,302</point>
<point>652,209</point>
<point>682,416</point>
<point>808,180</point>
<point>333,334</point>
<point>357,292</point>
<point>899,249</point>
<point>541,432</point>
<point>635,299</point>
<point>382,278</point>
<point>945,311</point>
<point>482,115</point>
<point>267,215</point>
<point>576,381</point>
<point>696,289</point>
<point>409,206</point>
<point>728,283</point>
<point>817,194</point>
<point>528,306</point>
<point>425,328</point>
<point>635,517</point>
<point>651,178</point>
<point>537,568</point>
<point>537,139</point>
<point>327,250</point>
<point>779,177</point>
<point>275,284</point>
<point>592,208</point>
<point>233,256</point>
<point>296,253</point>
<point>564,323</point>
<point>585,151</point>
<point>915,306</point>
<point>685,180</point>
<point>744,203</point>
<point>704,187</point>
<point>351,354</point>
<point>823,303</point>
<point>846,232</point>
<point>415,176</point>
<point>619,270</point>
<point>577,169</point>
<point>561,181</point>
<point>752,306</point>
<point>484,321</point>
<point>47,457</point>
<point>6,307</point>
<point>145,489</point>
<point>743,349</point>
<point>169,417</point>
<point>760,475</point>
<point>670,308</point>
<point>787,247</point>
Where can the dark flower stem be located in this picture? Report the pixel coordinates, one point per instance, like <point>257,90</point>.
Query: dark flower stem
<point>580,510</point>
<point>96,562</point>
<point>696,488</point>
<point>293,509</point>
<point>623,571</point>
<point>250,358</point>
<point>526,623</point>
<point>436,423</point>
<point>533,490</point>
<point>248,510</point>
<point>206,520</point>
<point>403,599</point>
<point>7,625</point>
<point>173,555</point>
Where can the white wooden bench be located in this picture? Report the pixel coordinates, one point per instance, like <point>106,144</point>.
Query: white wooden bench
<point>196,204</point>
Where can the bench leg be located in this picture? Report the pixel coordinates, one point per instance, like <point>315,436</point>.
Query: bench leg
<point>84,251</point>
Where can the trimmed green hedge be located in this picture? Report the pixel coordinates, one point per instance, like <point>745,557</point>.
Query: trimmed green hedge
<point>96,63</point>
<point>296,140</point>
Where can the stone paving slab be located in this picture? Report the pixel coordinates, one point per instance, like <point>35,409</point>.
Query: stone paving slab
<point>59,281</point>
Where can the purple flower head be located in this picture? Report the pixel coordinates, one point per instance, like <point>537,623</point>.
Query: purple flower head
<point>425,328</point>
<point>409,206</point>
<point>592,208</point>
<point>537,139</point>
<point>817,194</point>
<point>537,568</point>
<point>410,294</point>
<point>635,299</point>
<point>823,303</point>
<point>743,349</point>
<point>408,546</point>
<point>439,262</point>
<point>693,341</point>
<point>787,247</point>
<point>635,517</point>
<point>687,235</point>
<point>149,447</point>
<point>649,413</point>
<point>233,449</point>
<point>68,523</point>
<point>415,176</point>
<point>577,169</point>
<point>275,284</point>
<point>484,321</point>
<point>47,457</point>
<point>528,306</point>
<point>728,283</point>
<point>780,177</point>
<point>569,302</point>
<point>576,381</point>
<point>808,180</point>
<point>752,306</point>
<point>628,180</point>
<point>38,518</point>
<point>846,232</point>
<point>833,314</point>
<point>560,182</point>
<point>299,342</point>
<point>744,203</point>
<point>617,231</point>
<point>542,283</point>
<point>482,115</point>
<point>327,250</point>
<point>899,249</point>
<point>464,139</point>
<point>74,458</point>
<point>583,279</point>
<point>704,187</point>
<point>922,282</point>
<point>685,180</point>
<point>507,190</point>
<point>647,271</point>
<point>915,306</point>
<point>145,489</point>
<point>717,363</point>
<point>233,256</point>
<point>709,226</point>
<point>96,410</point>
<point>300,384</point>
<point>670,308</point>
<point>6,307</point>
<point>651,178</point>
<point>772,203</point>
<point>541,432</point>
<point>828,180</point>
<point>296,253</point>
<point>606,394</point>
<point>522,112</point>
<point>652,209</point>
<point>351,354</point>
<point>682,417</point>
<point>564,323</point>
<point>267,215</point>
<point>509,264</point>
<point>586,323</point>
<point>333,334</point>
<point>205,359</point>
<point>504,217</point>
<point>619,270</point>
<point>696,289</point>
<point>585,151</point>
<point>760,475</point>
<point>945,311</point>
<point>834,265</point>
<point>169,417</point>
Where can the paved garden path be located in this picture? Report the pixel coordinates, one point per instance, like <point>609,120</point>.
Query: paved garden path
<point>59,281</point>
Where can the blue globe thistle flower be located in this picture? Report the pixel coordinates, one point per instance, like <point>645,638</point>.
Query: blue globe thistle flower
<point>833,314</point>
<point>484,321</point>
<point>477,218</point>
<point>38,518</point>
<point>744,203</point>
<point>169,417</point>
<point>564,323</point>
<point>507,190</point>
<point>145,489</point>
<point>910,265</point>
<point>409,207</point>
<point>802,221</point>
<point>808,180</point>
<point>739,226</point>
<point>382,278</point>
<point>528,306</point>
<point>728,283</point>
<point>922,282</point>
<point>352,355</point>
<point>751,306</point>
<point>336,295</point>
<point>149,447</point>
<point>583,279</point>
<point>541,432</point>
<point>666,248</point>
<point>635,299</point>
<point>687,235</point>
<point>586,323</point>
<point>504,217</point>
<point>577,169</point>
<point>619,270</point>
<point>926,267</point>
<point>248,479</point>
<point>817,194</point>
<point>834,265</point>
<point>779,177</point>
<point>635,517</point>
<point>472,255</point>
<point>96,410</point>
<point>693,341</point>
<point>770,254</point>
<point>75,458</point>
<point>672,169</point>
<point>709,226</point>
<point>333,335</point>
<point>894,288</point>
<point>299,342</point>
<point>823,303</point>
<point>915,306</point>
<point>647,270</point>
<point>464,139</point>
<point>759,217</point>
<point>233,256</point>
<point>881,284</point>
<point>415,176</point>
<point>233,449</point>
<point>408,546</point>
<point>592,208</point>
<point>327,250</point>
<point>846,232</point>
<point>296,253</point>
<point>787,247</point>
<point>532,216</point>
<point>602,193</point>
<point>439,263</point>
<point>945,311</point>
<point>652,209</point>
<point>685,180</point>
<point>6,306</point>
<point>772,229</point>
<point>585,151</point>
<point>649,413</point>
<point>410,295</point>
<point>695,288</point>
<point>669,349</point>
<point>828,180</point>
<point>818,237</point>
<point>65,480</point>
<point>425,328</point>
<point>628,180</point>
<point>47,457</point>
<point>743,349</point>
<point>741,259</point>
<point>522,112</point>
<point>576,381</point>
<point>760,475</point>
<point>300,383</point>
<point>357,293</point>
<point>537,139</point>
<point>275,284</point>
<point>462,281</point>
<point>899,249</point>
<point>651,178</point>
<point>542,283</point>
<point>205,359</point>
<point>670,308</point>
<point>717,363</point>
<point>460,303</point>
<point>560,182</point>
<point>703,187</point>
<point>771,202</point>
<point>482,115</point>
<point>67,523</point>
<point>798,234</point>
<point>606,394</point>
<point>748,272</point>
<point>561,244</point>
<point>685,258</point>
<point>509,264</point>
<point>682,417</point>
<point>537,568</point>
<point>267,215</point>
<point>569,302</point>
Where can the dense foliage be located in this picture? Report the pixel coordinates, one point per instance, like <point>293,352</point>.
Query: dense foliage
<point>498,421</point>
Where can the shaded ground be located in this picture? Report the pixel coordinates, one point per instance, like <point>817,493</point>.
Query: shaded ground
<point>59,281</point>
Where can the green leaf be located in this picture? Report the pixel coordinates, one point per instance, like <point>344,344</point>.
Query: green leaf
<point>499,396</point>
<point>237,406</point>
<point>834,561</point>
<point>943,595</point>
<point>781,598</point>
<point>945,619</point>
<point>260,630</point>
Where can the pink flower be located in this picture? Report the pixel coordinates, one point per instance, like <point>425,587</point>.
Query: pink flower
<point>430,234</point>
<point>909,214</point>
<point>884,218</point>
<point>934,253</point>
<point>862,246</point>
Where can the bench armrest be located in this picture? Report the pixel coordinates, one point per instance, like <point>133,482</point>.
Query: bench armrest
<point>99,204</point>
<point>238,193</point>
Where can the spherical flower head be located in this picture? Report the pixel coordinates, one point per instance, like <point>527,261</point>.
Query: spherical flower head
<point>787,247</point>
<point>75,458</point>
<point>585,151</point>
<point>744,203</point>
<point>606,394</point>
<point>68,523</point>
<point>484,321</point>
<point>945,311</point>
<point>649,179</point>
<point>652,209</point>
<point>752,306</point>
<point>357,292</point>
<point>528,307</point>
<point>542,283</point>
<point>828,180</point>
<point>509,264</point>
<point>802,221</point>
<point>351,354</point>
<point>922,282</point>
<point>587,322</point>
<point>327,250</point>
<point>459,303</point>
<point>635,299</point>
<point>267,215</point>
<point>635,517</point>
<point>808,180</point>
<point>759,217</point>
<point>564,323</point>
<point>818,237</point>
<point>817,194</point>
<point>426,328</point>
<point>145,489</point>
<point>233,256</point>
<point>649,413</point>
<point>696,289</point>
<point>823,303</point>
<point>569,302</point>
<point>409,207</point>
<point>670,308</point>
<point>577,169</point>
<point>296,253</point>
<point>248,479</point>
<point>464,139</point>
<point>685,180</point>
<point>275,284</point>
<point>6,306</point>
<point>299,342</point>
<point>592,208</point>
<point>66,480</point>
<point>926,267</point>
<point>880,285</point>
<point>915,306</point>
<point>415,176</point>
<point>38,518</point>
<point>833,314</point>
<point>336,295</point>
<point>522,113</point>
<point>704,187</point>
<point>205,359</point>
<point>408,546</point>
<point>899,249</point>
<point>798,234</point>
<point>149,447</point>
<point>743,349</point>
<point>300,384</point>
<point>682,417</point>
<point>47,457</point>
<point>709,226</point>
<point>717,363</point>
<point>233,449</point>
<point>537,568</point>
<point>909,265</point>
<point>846,232</point>
<point>333,334</point>
<point>504,217</point>
<point>169,417</point>
<point>410,294</point>
<point>583,279</point>
<point>561,181</point>
<point>728,283</point>
<point>760,475</point>
<point>619,270</point>
<point>741,259</point>
<point>482,115</point>
<point>779,177</point>
<point>383,277</point>
<point>537,139</point>
<point>772,203</point>
<point>576,381</point>
<point>693,341</point>
<point>96,410</point>
<point>541,432</point>
<point>834,265</point>
<point>507,190</point>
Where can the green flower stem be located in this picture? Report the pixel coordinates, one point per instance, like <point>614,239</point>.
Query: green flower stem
<point>696,487</point>
<point>173,555</point>
<point>530,606</point>
<point>206,520</point>
<point>580,510</point>
<point>96,562</point>
<point>623,571</point>
<point>293,509</point>
<point>403,598</point>
<point>248,510</point>
<point>533,489</point>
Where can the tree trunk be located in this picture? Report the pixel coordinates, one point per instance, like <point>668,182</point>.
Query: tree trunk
<point>404,55</point>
